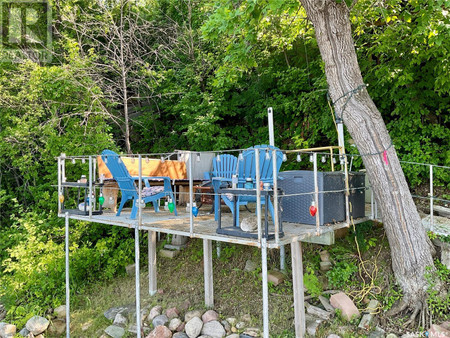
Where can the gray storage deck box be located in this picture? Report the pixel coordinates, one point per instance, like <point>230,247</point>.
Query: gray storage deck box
<point>331,206</point>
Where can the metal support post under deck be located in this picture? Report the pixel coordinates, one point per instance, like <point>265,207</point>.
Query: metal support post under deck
<point>265,288</point>
<point>137,278</point>
<point>152,277</point>
<point>67,279</point>
<point>431,198</point>
<point>208,272</point>
<point>297,278</point>
<point>282,258</point>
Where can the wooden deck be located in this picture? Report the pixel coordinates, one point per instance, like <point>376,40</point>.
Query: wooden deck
<point>205,226</point>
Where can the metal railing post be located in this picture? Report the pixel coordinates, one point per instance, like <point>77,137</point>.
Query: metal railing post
<point>91,204</point>
<point>258,194</point>
<point>191,196</point>
<point>67,277</point>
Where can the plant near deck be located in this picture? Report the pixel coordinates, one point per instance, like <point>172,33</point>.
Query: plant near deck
<point>311,283</point>
<point>33,272</point>
<point>439,298</point>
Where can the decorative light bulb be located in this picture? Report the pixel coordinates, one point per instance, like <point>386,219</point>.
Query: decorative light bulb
<point>162,159</point>
<point>313,209</point>
<point>284,157</point>
<point>299,157</point>
<point>147,160</point>
<point>101,199</point>
<point>61,198</point>
<point>334,160</point>
<point>132,160</point>
<point>267,154</point>
<point>198,157</point>
<point>324,159</point>
<point>73,161</point>
<point>106,159</point>
<point>311,158</point>
<point>171,205</point>
<point>83,160</point>
<point>241,157</point>
<point>119,160</point>
<point>194,209</point>
<point>218,158</point>
<point>342,160</point>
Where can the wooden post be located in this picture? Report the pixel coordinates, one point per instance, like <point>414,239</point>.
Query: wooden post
<point>297,277</point>
<point>208,271</point>
<point>152,277</point>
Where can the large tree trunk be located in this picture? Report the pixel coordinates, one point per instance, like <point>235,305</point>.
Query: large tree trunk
<point>407,238</point>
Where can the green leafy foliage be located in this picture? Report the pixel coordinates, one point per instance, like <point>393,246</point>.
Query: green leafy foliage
<point>311,283</point>
<point>438,299</point>
<point>341,274</point>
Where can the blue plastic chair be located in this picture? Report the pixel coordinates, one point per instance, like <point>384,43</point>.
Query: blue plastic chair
<point>127,185</point>
<point>246,168</point>
<point>223,171</point>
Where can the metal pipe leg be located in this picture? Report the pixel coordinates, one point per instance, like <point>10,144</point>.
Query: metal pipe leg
<point>67,278</point>
<point>265,288</point>
<point>137,278</point>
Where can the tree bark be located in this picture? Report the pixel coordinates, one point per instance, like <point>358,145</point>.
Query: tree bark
<point>407,238</point>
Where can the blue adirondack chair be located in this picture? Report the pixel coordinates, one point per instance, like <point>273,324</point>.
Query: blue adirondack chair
<point>129,189</point>
<point>246,168</point>
<point>223,171</point>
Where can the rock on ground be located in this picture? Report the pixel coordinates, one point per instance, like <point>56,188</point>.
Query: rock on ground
<point>250,266</point>
<point>60,312</point>
<point>226,326</point>
<point>160,320</point>
<point>24,332</point>
<point>115,331</point>
<point>180,335</point>
<point>37,325</point>
<point>191,314</point>
<point>7,330</point>
<point>172,312</point>
<point>57,327</point>
<point>209,316</point>
<point>194,327</point>
<point>252,332</point>
<point>110,314</point>
<point>276,277</point>
<point>120,320</point>
<point>174,324</point>
<point>155,311</point>
<point>343,302</point>
<point>213,329</point>
<point>317,311</point>
<point>160,332</point>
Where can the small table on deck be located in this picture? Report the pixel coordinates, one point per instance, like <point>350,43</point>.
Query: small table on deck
<point>80,185</point>
<point>235,230</point>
